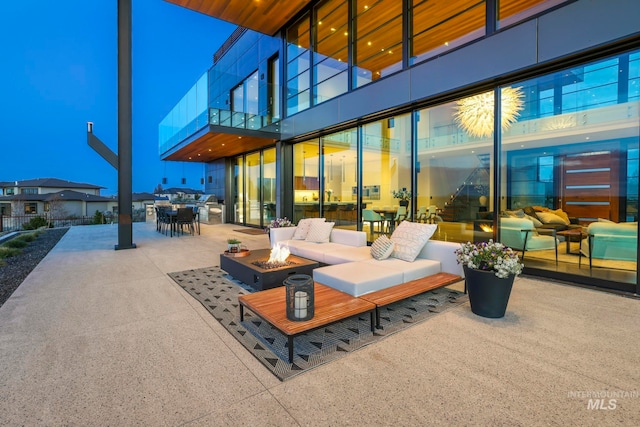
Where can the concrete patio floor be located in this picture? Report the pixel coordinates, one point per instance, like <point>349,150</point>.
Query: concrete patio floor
<point>96,336</point>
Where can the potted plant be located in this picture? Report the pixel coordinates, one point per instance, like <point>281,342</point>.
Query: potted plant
<point>277,223</point>
<point>490,269</point>
<point>233,245</point>
<point>403,195</point>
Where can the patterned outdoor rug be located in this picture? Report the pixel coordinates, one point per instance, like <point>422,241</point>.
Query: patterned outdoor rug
<point>218,292</point>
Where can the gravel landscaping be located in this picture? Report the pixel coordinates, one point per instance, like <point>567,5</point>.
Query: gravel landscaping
<point>15,269</point>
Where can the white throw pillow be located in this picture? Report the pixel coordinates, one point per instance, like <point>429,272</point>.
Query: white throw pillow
<point>320,232</point>
<point>409,238</point>
<point>303,227</point>
<point>382,248</point>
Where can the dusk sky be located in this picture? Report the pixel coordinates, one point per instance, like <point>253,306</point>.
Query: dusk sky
<point>59,71</point>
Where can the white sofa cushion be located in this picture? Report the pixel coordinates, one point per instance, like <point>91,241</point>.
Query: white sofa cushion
<point>302,229</point>
<point>355,280</point>
<point>319,232</point>
<point>409,238</point>
<point>410,270</point>
<point>338,254</point>
<point>382,248</point>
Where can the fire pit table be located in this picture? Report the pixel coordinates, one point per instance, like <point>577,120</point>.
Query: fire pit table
<point>253,270</point>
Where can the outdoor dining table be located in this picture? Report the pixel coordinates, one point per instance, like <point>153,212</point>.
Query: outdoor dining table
<point>173,217</point>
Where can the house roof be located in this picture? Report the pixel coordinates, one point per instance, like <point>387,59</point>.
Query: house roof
<point>48,182</point>
<point>176,190</point>
<point>65,195</point>
<point>140,197</point>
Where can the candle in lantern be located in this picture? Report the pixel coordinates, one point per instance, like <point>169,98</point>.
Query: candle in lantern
<point>300,304</point>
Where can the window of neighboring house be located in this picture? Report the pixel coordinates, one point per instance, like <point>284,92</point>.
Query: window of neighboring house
<point>29,190</point>
<point>10,191</point>
<point>47,206</point>
<point>30,208</point>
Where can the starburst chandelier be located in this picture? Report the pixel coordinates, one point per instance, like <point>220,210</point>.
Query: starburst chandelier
<point>475,113</point>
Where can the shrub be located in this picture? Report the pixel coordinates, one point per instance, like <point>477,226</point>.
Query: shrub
<point>98,217</point>
<point>29,237</point>
<point>35,223</point>
<point>15,243</point>
<point>8,252</point>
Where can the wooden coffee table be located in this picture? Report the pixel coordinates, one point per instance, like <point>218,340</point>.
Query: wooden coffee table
<point>330,306</point>
<point>572,235</point>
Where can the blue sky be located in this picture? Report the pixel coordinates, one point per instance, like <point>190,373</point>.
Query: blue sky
<point>59,71</point>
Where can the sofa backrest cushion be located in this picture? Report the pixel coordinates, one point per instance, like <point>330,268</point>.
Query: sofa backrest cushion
<point>303,227</point>
<point>612,228</point>
<point>349,237</point>
<point>409,238</point>
<point>319,232</point>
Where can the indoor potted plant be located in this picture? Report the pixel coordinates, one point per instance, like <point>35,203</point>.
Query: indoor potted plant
<point>490,269</point>
<point>404,195</point>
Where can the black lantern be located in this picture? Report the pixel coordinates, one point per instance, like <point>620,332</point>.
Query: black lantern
<point>299,289</point>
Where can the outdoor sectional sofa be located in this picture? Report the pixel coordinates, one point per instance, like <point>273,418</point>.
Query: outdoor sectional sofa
<point>349,266</point>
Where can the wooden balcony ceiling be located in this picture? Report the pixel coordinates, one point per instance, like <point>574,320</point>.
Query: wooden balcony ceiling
<point>264,16</point>
<point>212,146</point>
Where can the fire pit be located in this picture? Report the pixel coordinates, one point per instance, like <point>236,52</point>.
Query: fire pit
<point>260,272</point>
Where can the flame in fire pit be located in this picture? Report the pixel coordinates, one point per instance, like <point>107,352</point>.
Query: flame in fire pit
<point>279,255</point>
<point>486,228</point>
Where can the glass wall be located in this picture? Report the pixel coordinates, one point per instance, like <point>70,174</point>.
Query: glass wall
<point>386,170</point>
<point>570,167</point>
<point>441,26</point>
<point>512,11</point>
<point>568,170</point>
<point>298,40</point>
<point>273,112</point>
<point>255,188</point>
<point>340,177</point>
<point>378,41</point>
<point>306,180</point>
<point>268,185</point>
<point>238,190</point>
<point>372,43</point>
<point>331,56</point>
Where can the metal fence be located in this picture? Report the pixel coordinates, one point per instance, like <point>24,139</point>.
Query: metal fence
<point>18,222</point>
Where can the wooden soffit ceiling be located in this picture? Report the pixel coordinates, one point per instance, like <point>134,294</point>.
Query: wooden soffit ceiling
<point>213,145</point>
<point>264,16</point>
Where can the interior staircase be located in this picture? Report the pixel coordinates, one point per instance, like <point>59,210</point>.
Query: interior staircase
<point>464,203</point>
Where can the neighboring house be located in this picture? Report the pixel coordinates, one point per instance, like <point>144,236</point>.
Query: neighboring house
<point>53,196</point>
<point>180,195</point>
<point>142,200</point>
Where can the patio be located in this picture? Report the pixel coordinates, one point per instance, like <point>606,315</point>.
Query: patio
<point>98,336</point>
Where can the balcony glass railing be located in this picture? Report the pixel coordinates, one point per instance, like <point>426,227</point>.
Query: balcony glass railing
<point>239,120</point>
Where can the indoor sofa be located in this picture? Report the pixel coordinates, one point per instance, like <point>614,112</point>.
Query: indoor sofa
<point>610,240</point>
<point>349,266</point>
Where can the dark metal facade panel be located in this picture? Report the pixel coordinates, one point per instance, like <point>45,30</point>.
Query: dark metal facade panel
<point>586,24</point>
